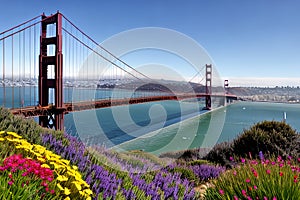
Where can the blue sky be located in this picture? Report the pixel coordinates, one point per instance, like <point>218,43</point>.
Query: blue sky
<point>257,38</point>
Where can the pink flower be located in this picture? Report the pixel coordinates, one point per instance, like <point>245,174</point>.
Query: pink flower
<point>234,173</point>
<point>268,171</point>
<point>265,198</point>
<point>231,158</point>
<point>274,198</point>
<point>247,180</point>
<point>279,159</point>
<point>255,187</point>
<point>235,198</point>
<point>244,192</point>
<point>10,182</point>
<point>221,192</point>
<point>243,160</point>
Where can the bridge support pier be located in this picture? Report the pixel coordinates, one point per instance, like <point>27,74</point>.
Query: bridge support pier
<point>208,87</point>
<point>55,117</point>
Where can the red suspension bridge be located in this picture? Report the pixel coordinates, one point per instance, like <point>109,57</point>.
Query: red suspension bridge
<point>45,68</point>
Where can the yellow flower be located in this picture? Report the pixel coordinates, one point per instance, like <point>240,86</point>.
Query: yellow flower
<point>77,184</point>
<point>64,171</point>
<point>59,186</point>
<point>41,159</point>
<point>14,134</point>
<point>56,166</point>
<point>66,161</point>
<point>45,166</point>
<point>75,167</point>
<point>67,191</point>
<point>61,178</point>
<point>40,148</point>
<point>37,154</point>
<point>88,191</point>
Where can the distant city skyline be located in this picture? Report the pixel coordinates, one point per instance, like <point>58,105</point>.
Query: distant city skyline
<point>251,42</point>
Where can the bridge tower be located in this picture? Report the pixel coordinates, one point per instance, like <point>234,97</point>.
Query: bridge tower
<point>208,87</point>
<point>47,62</point>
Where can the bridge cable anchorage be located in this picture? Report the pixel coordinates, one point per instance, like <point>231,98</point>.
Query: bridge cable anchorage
<point>106,59</point>
<point>98,45</point>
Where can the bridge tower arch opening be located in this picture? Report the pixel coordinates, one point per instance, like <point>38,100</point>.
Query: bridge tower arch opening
<point>208,86</point>
<point>55,115</point>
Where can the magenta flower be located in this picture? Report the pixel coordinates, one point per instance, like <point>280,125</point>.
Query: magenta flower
<point>268,171</point>
<point>235,198</point>
<point>281,165</point>
<point>255,187</point>
<point>28,167</point>
<point>221,192</point>
<point>274,198</point>
<point>243,160</point>
<point>244,192</point>
<point>273,163</point>
<point>247,180</point>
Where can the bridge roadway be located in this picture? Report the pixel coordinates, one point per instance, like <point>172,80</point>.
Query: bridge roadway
<point>32,111</point>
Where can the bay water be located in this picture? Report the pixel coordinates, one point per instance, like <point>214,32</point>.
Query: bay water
<point>162,126</point>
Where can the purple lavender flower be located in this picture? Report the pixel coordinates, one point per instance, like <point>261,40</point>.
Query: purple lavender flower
<point>261,156</point>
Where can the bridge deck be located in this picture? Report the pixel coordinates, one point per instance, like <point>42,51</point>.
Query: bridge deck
<point>31,111</point>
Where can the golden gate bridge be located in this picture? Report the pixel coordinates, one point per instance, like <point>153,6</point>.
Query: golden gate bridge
<point>41,57</point>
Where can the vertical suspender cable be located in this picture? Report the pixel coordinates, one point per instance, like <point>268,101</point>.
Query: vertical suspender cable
<point>3,75</point>
<point>19,87</point>
<point>34,66</point>
<point>12,72</point>
<point>30,77</point>
<point>23,81</point>
<point>68,49</point>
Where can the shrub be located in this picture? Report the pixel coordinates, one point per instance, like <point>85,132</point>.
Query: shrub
<point>220,154</point>
<point>270,137</point>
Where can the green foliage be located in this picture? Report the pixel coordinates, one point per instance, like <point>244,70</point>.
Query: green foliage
<point>198,162</point>
<point>220,154</point>
<point>185,173</point>
<point>27,128</point>
<point>270,137</point>
<point>258,180</point>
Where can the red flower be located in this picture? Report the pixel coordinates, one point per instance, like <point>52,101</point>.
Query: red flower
<point>280,173</point>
